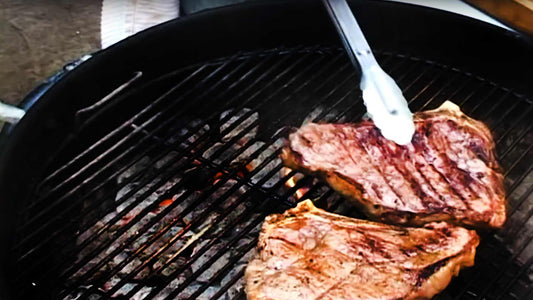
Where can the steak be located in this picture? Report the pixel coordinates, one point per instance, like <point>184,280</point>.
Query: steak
<point>447,173</point>
<point>308,253</point>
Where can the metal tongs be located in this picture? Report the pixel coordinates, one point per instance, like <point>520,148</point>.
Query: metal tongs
<point>384,101</point>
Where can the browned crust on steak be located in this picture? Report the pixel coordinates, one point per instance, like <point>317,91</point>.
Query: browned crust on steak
<point>436,169</point>
<point>308,253</point>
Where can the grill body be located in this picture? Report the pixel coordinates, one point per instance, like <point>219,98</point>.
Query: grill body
<point>157,190</point>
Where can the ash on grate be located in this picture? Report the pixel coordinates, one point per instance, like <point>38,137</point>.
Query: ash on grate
<point>210,215</point>
<point>236,138</point>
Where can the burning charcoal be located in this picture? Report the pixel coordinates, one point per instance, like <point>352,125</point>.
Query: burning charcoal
<point>232,216</point>
<point>137,167</point>
<point>123,290</point>
<point>209,293</point>
<point>273,179</point>
<point>166,159</point>
<point>244,156</point>
<point>225,194</point>
<point>189,290</point>
<point>193,130</point>
<point>233,272</point>
<point>198,178</point>
<point>234,290</point>
<point>242,125</point>
<point>209,274</point>
<point>142,293</point>
<point>226,215</point>
<point>210,152</point>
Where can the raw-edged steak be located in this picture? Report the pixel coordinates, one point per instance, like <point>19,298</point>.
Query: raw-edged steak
<point>447,173</point>
<point>308,253</point>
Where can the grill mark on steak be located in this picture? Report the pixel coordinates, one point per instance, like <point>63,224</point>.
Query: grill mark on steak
<point>456,174</point>
<point>447,172</point>
<point>406,173</point>
<point>451,187</point>
<point>375,188</point>
<point>434,179</point>
<point>354,259</point>
<point>361,146</point>
<point>426,272</point>
<point>443,173</point>
<point>390,158</point>
<point>480,187</point>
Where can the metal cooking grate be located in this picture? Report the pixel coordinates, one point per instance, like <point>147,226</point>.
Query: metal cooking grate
<point>162,196</point>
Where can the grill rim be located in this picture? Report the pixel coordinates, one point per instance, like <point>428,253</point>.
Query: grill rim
<point>22,134</point>
<point>451,79</point>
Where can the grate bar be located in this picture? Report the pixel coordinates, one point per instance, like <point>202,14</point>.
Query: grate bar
<point>520,202</point>
<point>490,94</point>
<point>456,91</point>
<point>516,141</point>
<point>412,82</point>
<point>191,260</point>
<point>197,141</point>
<point>214,240</point>
<point>415,80</point>
<point>200,252</point>
<point>515,163</point>
<point>123,126</point>
<point>129,165</point>
<point>502,247</point>
<point>181,140</point>
<point>439,91</point>
<point>429,84</point>
<point>515,123</point>
<point>219,274</point>
<point>121,264</point>
<point>300,87</point>
<point>516,277</point>
<point>508,263</point>
<point>500,101</point>
<point>215,257</point>
<point>152,119</point>
<point>231,282</point>
<point>236,155</point>
<point>473,92</point>
<point>201,216</point>
<point>516,184</point>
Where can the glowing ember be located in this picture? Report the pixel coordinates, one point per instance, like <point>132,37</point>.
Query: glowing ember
<point>166,202</point>
<point>291,182</point>
<point>217,177</point>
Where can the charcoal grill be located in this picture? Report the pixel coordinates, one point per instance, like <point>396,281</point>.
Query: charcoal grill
<point>157,189</point>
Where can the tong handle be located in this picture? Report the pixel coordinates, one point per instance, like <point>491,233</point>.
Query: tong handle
<point>351,35</point>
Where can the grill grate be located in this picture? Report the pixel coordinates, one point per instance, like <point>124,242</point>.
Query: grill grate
<point>168,202</point>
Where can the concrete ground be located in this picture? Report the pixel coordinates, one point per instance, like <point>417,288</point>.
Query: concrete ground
<point>38,37</point>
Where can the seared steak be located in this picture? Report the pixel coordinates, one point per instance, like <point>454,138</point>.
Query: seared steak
<point>308,253</point>
<point>447,173</point>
